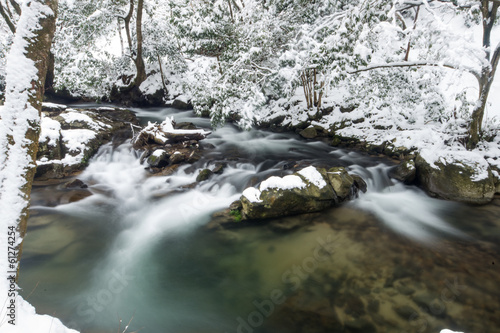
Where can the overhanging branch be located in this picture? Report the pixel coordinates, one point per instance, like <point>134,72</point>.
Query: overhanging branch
<point>418,64</point>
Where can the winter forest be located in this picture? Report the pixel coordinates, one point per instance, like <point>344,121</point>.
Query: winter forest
<point>249,165</point>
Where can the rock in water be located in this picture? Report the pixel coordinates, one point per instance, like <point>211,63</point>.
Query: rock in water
<point>456,175</point>
<point>308,190</point>
<point>204,175</point>
<point>405,172</point>
<point>342,183</point>
<point>309,133</point>
<point>158,159</point>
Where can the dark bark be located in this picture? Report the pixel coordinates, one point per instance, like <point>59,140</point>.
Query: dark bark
<point>487,73</point>
<point>7,19</point>
<point>161,73</point>
<point>127,19</point>
<point>16,6</point>
<point>38,50</point>
<point>231,10</point>
<point>408,47</point>
<point>139,61</point>
<point>49,77</point>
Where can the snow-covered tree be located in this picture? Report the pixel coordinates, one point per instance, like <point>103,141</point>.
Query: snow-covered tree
<point>20,116</point>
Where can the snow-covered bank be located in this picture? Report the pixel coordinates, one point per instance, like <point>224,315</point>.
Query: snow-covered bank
<point>69,137</point>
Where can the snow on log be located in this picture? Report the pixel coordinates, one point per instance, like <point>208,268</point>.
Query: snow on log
<point>165,132</point>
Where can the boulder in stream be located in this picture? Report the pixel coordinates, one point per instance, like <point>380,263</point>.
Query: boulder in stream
<point>456,175</point>
<point>405,171</point>
<point>308,190</point>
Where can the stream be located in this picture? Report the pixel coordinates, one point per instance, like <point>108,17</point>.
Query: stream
<point>138,251</point>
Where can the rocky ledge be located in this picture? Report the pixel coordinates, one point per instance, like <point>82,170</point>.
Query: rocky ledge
<point>309,190</point>
<point>70,137</point>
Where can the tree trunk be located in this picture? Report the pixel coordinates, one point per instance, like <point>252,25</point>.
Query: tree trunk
<point>49,77</point>
<point>139,61</point>
<point>126,20</point>
<point>478,113</point>
<point>20,117</point>
<point>487,74</point>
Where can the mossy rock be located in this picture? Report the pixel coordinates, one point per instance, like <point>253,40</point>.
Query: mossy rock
<point>204,175</point>
<point>459,176</point>
<point>158,159</point>
<point>342,183</point>
<point>309,133</point>
<point>405,171</point>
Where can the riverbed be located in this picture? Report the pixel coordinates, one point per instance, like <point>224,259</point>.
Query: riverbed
<point>138,251</point>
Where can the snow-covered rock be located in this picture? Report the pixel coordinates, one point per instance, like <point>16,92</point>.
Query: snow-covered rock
<point>70,137</point>
<point>308,190</point>
<point>455,175</point>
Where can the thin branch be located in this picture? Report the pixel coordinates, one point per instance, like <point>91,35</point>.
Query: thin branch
<point>161,73</point>
<point>494,61</point>
<point>409,40</point>
<point>7,19</point>
<point>17,7</point>
<point>230,10</point>
<point>416,64</point>
<point>262,68</point>
<point>401,19</point>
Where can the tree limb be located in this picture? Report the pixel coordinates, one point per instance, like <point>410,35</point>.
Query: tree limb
<point>7,19</point>
<point>494,61</point>
<point>16,6</point>
<point>416,64</point>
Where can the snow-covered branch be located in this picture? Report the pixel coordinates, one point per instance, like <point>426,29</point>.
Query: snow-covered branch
<point>416,64</point>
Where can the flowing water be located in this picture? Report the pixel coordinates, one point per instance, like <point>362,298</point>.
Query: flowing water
<point>138,251</point>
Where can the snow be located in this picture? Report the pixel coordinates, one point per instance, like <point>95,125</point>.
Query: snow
<point>50,131</point>
<point>76,139</point>
<point>76,116</point>
<point>54,105</point>
<point>286,183</point>
<point>313,176</point>
<point>159,131</point>
<point>252,194</point>
<point>159,152</point>
<point>471,159</point>
<point>16,116</point>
